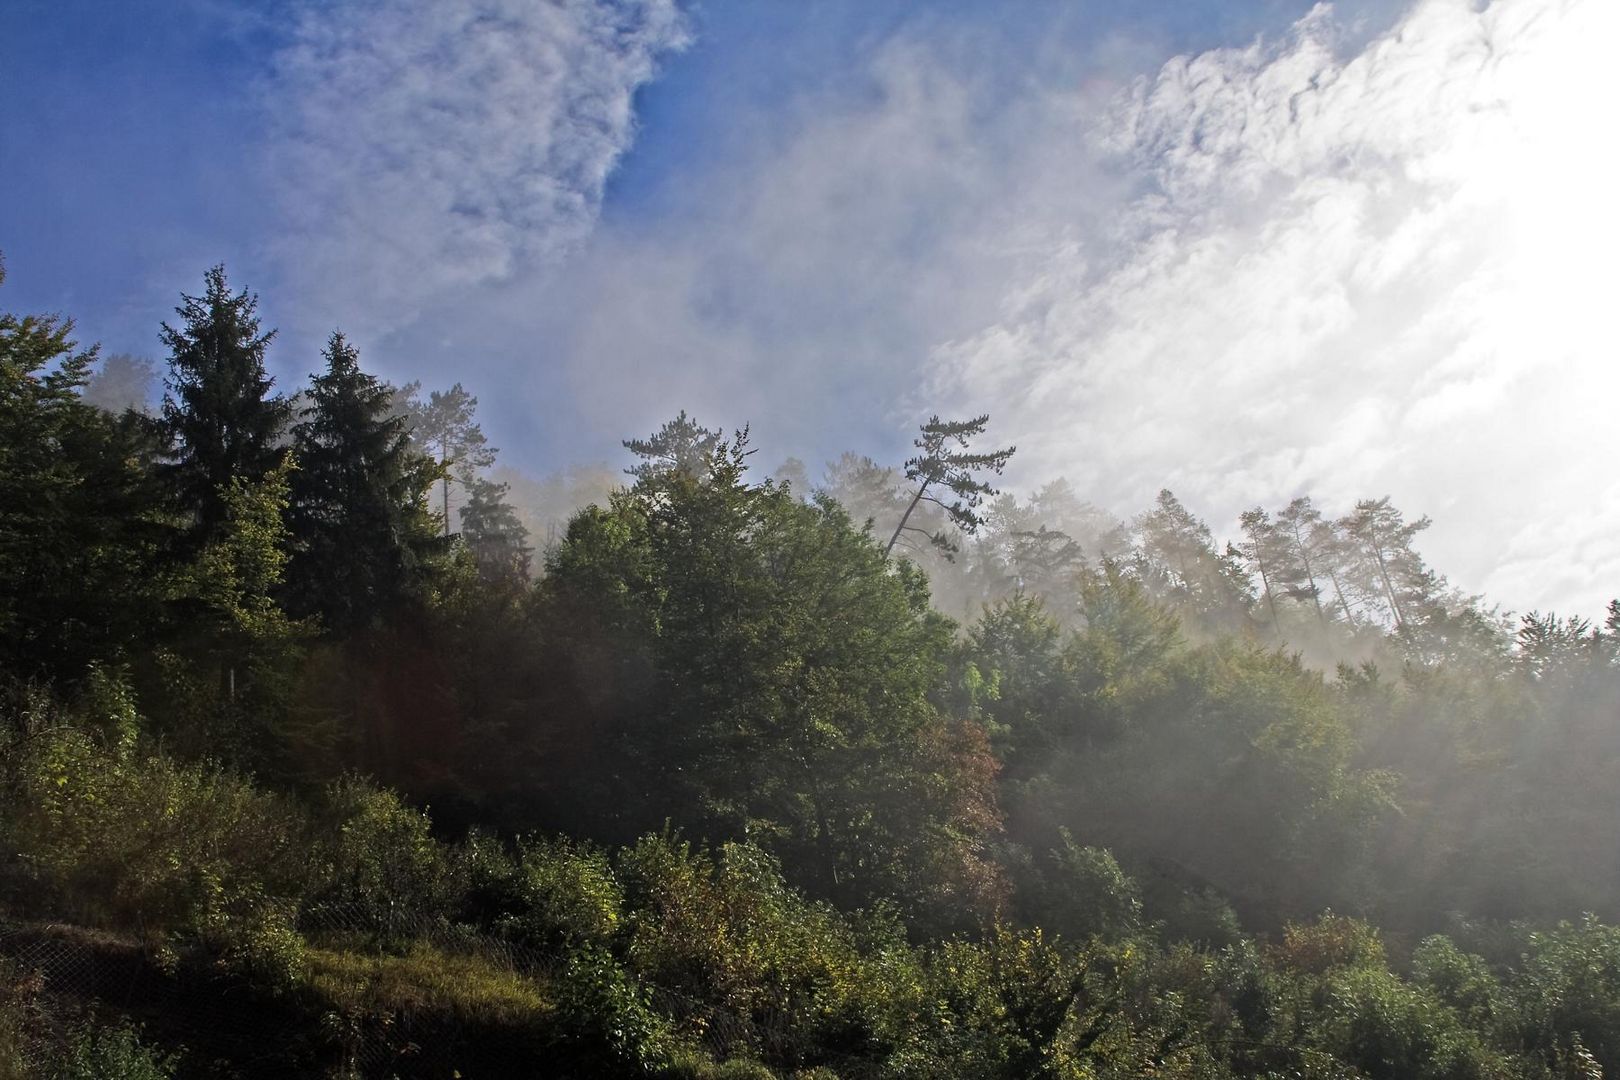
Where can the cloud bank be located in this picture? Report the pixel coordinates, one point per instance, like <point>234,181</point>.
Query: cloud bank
<point>1383,274</point>
<point>421,147</point>
<point>1325,263</point>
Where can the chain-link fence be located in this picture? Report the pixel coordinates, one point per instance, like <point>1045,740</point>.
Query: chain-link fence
<point>68,981</point>
<point>371,1010</point>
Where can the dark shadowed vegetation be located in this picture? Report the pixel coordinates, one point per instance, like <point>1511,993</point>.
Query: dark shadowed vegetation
<point>327,750</point>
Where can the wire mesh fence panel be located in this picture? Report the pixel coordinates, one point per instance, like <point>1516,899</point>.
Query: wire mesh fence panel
<point>385,993</point>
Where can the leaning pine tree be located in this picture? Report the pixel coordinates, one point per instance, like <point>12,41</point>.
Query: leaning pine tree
<point>948,475</point>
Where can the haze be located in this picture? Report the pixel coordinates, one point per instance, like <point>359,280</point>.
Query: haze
<point>1243,251</point>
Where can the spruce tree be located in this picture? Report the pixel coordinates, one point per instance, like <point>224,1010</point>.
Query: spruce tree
<point>359,498</point>
<point>81,529</point>
<point>492,532</point>
<point>222,421</point>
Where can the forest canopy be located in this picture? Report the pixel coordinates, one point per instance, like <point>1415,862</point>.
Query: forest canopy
<point>736,773</point>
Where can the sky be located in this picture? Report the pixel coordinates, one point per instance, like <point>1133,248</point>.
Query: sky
<point>1243,250</point>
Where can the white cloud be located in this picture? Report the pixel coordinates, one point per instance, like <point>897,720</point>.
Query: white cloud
<point>1390,273</point>
<point>1291,267</point>
<point>422,147</point>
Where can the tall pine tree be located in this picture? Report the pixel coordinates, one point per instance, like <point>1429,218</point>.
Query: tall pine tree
<point>222,421</point>
<point>359,499</point>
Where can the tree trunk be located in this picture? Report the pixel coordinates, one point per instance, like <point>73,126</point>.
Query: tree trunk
<point>1310,575</point>
<point>915,499</point>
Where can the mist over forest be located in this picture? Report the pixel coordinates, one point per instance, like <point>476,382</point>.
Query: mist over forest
<point>809,541</point>
<point>354,752</point>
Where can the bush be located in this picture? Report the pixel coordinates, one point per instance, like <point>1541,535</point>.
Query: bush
<point>115,835</point>
<point>730,931</point>
<point>568,893</point>
<point>99,1053</point>
<point>1389,1030</point>
<point>255,937</point>
<point>383,870</point>
<point>602,1010</point>
<point>1333,941</point>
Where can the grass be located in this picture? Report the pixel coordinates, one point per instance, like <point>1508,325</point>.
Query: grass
<point>426,979</point>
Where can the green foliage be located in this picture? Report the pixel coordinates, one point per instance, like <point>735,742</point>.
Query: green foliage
<point>606,1015</point>
<point>381,866</point>
<point>948,475</point>
<point>359,511</point>
<point>253,936</point>
<point>1387,1029</point>
<point>95,1052</point>
<point>749,668</point>
<point>122,836</point>
<point>228,676</point>
<point>491,529</point>
<point>1567,992</point>
<point>83,529</point>
<point>730,931</point>
<point>1328,944</point>
<point>750,665</point>
<point>443,428</point>
<point>222,421</point>
<point>1087,894</point>
<point>1461,980</point>
<point>999,1008</point>
<point>566,895</point>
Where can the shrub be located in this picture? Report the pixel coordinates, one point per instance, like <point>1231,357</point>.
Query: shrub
<point>98,1053</point>
<point>118,835</point>
<point>568,893</point>
<point>1333,941</point>
<point>383,870</point>
<point>603,1010</point>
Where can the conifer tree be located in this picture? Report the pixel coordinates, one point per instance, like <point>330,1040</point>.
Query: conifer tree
<point>359,498</point>
<point>81,528</point>
<point>444,428</point>
<point>1299,524</point>
<point>948,475</point>
<point>221,418</point>
<point>1178,559</point>
<point>682,447</point>
<point>491,529</point>
<point>1269,550</point>
<point>1391,568</point>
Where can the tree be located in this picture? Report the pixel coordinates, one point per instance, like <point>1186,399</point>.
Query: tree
<point>1299,523</point>
<point>491,529</point>
<point>749,665</point>
<point>681,448</point>
<point>1270,550</point>
<point>1177,558</point>
<point>868,491</point>
<point>1016,649</point>
<point>359,499</point>
<point>237,650</point>
<point>444,427</point>
<point>83,532</point>
<point>1385,543</point>
<point>953,476</point>
<point>222,421</point>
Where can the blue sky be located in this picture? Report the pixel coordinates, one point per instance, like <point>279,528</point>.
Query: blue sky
<point>1244,250</point>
